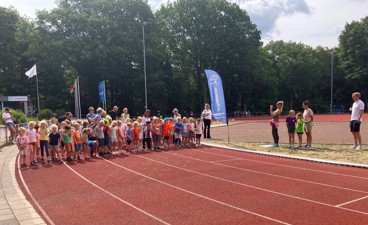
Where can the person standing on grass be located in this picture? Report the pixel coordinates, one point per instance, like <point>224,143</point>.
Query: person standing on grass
<point>9,122</point>
<point>357,111</point>
<point>308,123</point>
<point>299,129</point>
<point>207,119</point>
<point>275,122</point>
<point>290,125</point>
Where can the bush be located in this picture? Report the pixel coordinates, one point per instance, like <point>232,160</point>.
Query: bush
<point>19,116</point>
<point>46,114</point>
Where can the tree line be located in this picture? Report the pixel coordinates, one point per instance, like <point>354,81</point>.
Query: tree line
<point>103,40</point>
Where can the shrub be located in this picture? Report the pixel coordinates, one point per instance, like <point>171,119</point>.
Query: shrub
<point>46,114</point>
<point>19,116</point>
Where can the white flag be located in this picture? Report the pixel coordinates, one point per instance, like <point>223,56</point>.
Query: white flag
<point>32,72</point>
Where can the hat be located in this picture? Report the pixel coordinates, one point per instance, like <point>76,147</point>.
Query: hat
<point>166,119</point>
<point>6,108</point>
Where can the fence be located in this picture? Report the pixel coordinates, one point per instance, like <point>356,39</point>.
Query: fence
<point>4,133</point>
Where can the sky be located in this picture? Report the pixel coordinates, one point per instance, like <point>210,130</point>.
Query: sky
<point>312,22</point>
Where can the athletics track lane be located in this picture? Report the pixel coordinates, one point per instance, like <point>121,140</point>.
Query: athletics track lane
<point>274,205</point>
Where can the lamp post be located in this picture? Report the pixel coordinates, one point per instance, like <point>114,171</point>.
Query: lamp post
<point>332,73</point>
<point>144,68</point>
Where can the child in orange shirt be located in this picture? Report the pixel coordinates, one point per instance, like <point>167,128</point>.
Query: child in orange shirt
<point>166,132</point>
<point>77,140</point>
<point>135,130</point>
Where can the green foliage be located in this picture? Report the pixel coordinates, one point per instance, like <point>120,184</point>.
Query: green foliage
<point>46,114</point>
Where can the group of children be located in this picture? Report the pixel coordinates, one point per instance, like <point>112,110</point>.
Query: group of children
<point>84,139</point>
<point>295,124</point>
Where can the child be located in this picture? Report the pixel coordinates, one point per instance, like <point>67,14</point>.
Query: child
<point>191,131</point>
<point>113,135</point>
<point>156,133</point>
<point>171,131</point>
<point>129,137</point>
<point>135,130</point>
<point>290,124</point>
<point>62,150</point>
<point>44,140</point>
<point>66,136</point>
<point>178,132</point>
<point>54,141</point>
<point>165,132</point>
<point>275,122</point>
<point>77,140</point>
<point>100,137</point>
<point>22,142</point>
<point>140,130</point>
<point>299,129</point>
<point>32,141</point>
<point>85,149</point>
<point>106,131</point>
<point>120,137</point>
<point>198,129</point>
<point>148,135</point>
<point>185,132</point>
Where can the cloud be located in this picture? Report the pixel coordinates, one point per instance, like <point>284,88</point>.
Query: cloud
<point>264,13</point>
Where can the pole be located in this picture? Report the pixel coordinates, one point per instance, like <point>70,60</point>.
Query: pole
<point>79,100</point>
<point>228,134</point>
<point>38,97</point>
<point>76,110</point>
<point>105,102</point>
<point>144,69</point>
<point>332,62</point>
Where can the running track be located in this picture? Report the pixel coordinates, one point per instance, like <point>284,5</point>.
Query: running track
<point>198,186</point>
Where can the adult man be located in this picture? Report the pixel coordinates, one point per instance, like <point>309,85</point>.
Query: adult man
<point>9,122</point>
<point>68,116</point>
<point>114,113</point>
<point>91,115</point>
<point>357,111</point>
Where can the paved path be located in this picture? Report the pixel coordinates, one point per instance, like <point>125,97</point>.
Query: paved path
<point>14,207</point>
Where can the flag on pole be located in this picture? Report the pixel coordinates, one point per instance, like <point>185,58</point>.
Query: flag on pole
<point>72,88</point>
<point>217,96</point>
<point>32,72</point>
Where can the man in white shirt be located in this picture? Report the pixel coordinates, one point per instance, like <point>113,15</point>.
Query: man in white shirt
<point>207,118</point>
<point>8,121</point>
<point>357,111</point>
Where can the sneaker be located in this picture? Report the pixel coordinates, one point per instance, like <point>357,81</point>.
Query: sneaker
<point>289,146</point>
<point>33,163</point>
<point>275,146</point>
<point>306,146</point>
<point>354,146</point>
<point>300,148</point>
<point>359,147</point>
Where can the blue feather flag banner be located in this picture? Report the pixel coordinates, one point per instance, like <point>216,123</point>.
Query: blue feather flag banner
<point>217,96</point>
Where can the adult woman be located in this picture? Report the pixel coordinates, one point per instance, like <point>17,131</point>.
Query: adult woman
<point>9,122</point>
<point>308,123</point>
<point>176,114</point>
<point>207,118</point>
<point>275,122</point>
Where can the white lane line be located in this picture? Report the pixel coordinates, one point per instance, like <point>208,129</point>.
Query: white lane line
<point>276,164</point>
<point>49,220</point>
<point>356,200</point>
<point>250,186</point>
<point>225,160</point>
<point>116,197</point>
<point>268,174</point>
<point>196,194</point>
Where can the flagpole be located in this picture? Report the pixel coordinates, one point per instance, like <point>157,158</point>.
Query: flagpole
<point>38,97</point>
<point>79,100</point>
<point>105,102</point>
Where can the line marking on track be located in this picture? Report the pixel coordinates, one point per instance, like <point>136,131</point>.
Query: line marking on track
<point>49,220</point>
<point>356,200</point>
<point>253,187</point>
<point>276,164</point>
<point>196,194</point>
<point>226,160</point>
<point>116,197</point>
<point>268,174</point>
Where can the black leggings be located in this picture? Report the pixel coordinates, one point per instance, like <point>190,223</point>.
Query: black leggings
<point>44,145</point>
<point>275,134</point>
<point>206,130</point>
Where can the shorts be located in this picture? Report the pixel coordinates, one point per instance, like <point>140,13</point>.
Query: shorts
<point>113,140</point>
<point>54,148</point>
<point>62,144</point>
<point>308,126</point>
<point>34,144</point>
<point>291,130</point>
<point>107,141</point>
<point>10,124</point>
<point>185,134</point>
<point>299,132</point>
<point>178,135</point>
<point>68,146</point>
<point>166,137</point>
<point>198,136</point>
<point>90,143</point>
<point>77,147</point>
<point>22,151</point>
<point>156,137</point>
<point>101,142</point>
<point>129,141</point>
<point>355,126</point>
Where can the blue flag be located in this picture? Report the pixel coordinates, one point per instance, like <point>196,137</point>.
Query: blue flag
<point>217,96</point>
<point>101,91</point>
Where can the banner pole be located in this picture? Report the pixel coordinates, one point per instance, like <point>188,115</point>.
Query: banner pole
<point>38,97</point>
<point>79,100</point>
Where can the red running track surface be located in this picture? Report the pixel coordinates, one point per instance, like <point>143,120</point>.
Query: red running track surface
<point>200,186</point>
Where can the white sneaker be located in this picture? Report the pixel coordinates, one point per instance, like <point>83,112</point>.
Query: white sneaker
<point>354,146</point>
<point>359,147</point>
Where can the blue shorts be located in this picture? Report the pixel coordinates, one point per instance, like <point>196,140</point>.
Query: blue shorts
<point>90,144</point>
<point>10,124</point>
<point>77,148</point>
